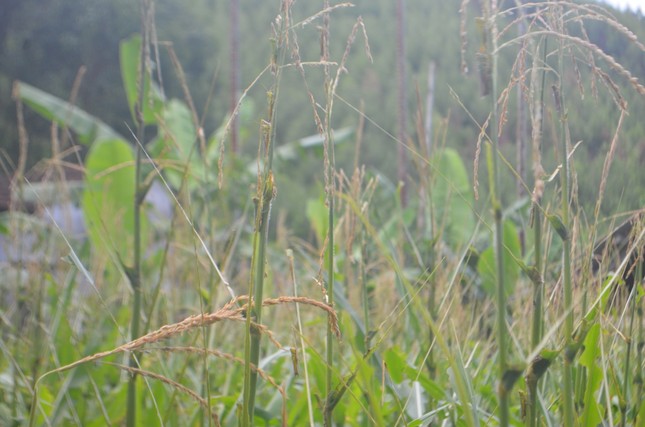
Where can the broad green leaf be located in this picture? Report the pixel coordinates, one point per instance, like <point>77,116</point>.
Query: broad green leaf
<point>115,406</point>
<point>400,370</point>
<point>318,216</point>
<point>87,127</point>
<point>130,57</point>
<point>66,350</point>
<point>592,412</point>
<point>108,198</point>
<point>396,364</point>
<point>452,198</point>
<point>173,148</point>
<point>487,267</point>
<point>149,413</point>
<point>641,415</point>
<point>46,400</point>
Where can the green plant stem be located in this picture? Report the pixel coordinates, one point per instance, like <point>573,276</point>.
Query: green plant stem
<point>497,213</point>
<point>135,273</point>
<point>568,379</point>
<point>135,281</point>
<point>330,269</point>
<point>640,341</point>
<point>330,184</point>
<point>265,194</point>
<point>537,328</point>
<point>264,209</point>
<point>638,276</point>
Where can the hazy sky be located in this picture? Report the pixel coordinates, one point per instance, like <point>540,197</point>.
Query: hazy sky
<point>632,4</point>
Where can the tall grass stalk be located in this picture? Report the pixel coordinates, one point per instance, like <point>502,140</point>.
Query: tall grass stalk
<point>537,323</point>
<point>489,70</point>
<point>303,348</point>
<point>139,193</point>
<point>567,287</point>
<point>626,372</point>
<point>329,184</point>
<point>18,178</point>
<point>266,191</point>
<point>633,301</point>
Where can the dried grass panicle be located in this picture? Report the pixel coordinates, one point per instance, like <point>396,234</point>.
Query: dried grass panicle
<point>588,13</point>
<point>231,311</point>
<point>579,13</point>
<point>333,316</point>
<point>348,46</point>
<point>320,13</point>
<point>478,150</point>
<point>295,55</point>
<point>609,158</point>
<point>613,89</point>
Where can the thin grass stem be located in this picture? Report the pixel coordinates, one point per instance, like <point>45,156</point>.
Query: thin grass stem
<point>330,184</point>
<point>135,273</point>
<point>489,76</point>
<point>537,326</point>
<point>568,380</point>
<point>266,192</point>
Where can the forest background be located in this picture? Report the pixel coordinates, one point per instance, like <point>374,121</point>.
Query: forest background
<point>46,44</point>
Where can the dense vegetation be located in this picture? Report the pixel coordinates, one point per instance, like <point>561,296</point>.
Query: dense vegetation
<point>293,280</point>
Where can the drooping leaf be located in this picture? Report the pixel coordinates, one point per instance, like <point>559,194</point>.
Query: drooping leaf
<point>108,198</point>
<point>294,149</point>
<point>487,266</point>
<point>87,127</point>
<point>452,198</point>
<point>556,222</point>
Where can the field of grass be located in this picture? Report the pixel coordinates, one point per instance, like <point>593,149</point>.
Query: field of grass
<point>452,299</point>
